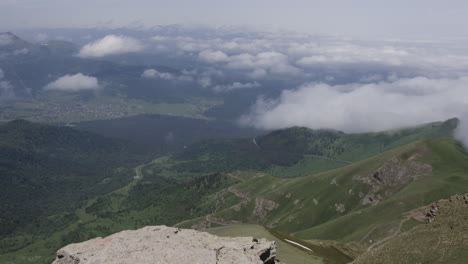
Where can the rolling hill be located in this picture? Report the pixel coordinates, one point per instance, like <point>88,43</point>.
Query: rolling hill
<point>300,151</point>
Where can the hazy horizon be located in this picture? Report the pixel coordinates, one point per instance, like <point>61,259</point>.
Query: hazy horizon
<point>369,18</point>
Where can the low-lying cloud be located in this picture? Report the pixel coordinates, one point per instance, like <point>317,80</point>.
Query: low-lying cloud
<point>73,83</point>
<point>461,133</point>
<point>6,39</point>
<point>235,86</point>
<point>213,56</point>
<point>203,79</point>
<point>110,45</point>
<point>258,66</point>
<point>264,55</point>
<point>363,107</point>
<point>6,89</point>
<point>155,74</point>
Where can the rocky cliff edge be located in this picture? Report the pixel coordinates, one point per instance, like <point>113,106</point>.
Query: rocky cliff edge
<point>161,244</point>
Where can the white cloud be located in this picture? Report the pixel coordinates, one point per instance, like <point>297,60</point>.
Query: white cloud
<point>205,81</point>
<point>41,37</point>
<point>6,89</point>
<point>260,55</point>
<point>20,52</point>
<point>301,55</point>
<point>5,39</point>
<point>73,83</point>
<point>263,63</point>
<point>110,45</point>
<point>212,56</point>
<point>461,133</point>
<point>185,76</point>
<point>235,86</point>
<point>383,53</point>
<point>258,66</point>
<point>160,38</point>
<point>154,74</point>
<point>363,107</point>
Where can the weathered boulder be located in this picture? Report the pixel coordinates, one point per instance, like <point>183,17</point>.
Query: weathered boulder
<point>161,244</point>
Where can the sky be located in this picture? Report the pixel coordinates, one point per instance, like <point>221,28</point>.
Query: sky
<point>365,65</point>
<point>406,18</point>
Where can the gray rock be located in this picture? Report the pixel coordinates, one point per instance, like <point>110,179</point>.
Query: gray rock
<point>161,244</point>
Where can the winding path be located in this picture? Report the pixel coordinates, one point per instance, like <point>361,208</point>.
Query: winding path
<point>407,216</point>
<point>327,158</point>
<point>245,198</point>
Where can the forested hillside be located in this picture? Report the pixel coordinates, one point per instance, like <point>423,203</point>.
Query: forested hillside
<point>47,170</point>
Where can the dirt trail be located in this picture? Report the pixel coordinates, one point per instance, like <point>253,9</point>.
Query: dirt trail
<point>245,199</point>
<point>416,214</point>
<point>212,219</point>
<point>327,158</point>
<point>394,234</point>
<point>235,177</point>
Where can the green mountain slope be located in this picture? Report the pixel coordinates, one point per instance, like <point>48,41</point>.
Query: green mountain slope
<point>47,170</point>
<point>364,202</point>
<point>299,151</point>
<point>443,240</point>
<point>223,182</point>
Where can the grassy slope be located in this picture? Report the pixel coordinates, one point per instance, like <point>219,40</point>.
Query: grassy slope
<point>444,240</point>
<point>292,207</point>
<point>449,176</point>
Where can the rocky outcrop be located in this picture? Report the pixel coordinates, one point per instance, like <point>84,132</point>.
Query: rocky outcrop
<point>390,177</point>
<point>443,239</point>
<point>262,207</point>
<point>161,244</point>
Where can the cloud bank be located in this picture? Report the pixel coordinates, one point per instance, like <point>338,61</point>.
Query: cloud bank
<point>258,65</point>
<point>280,55</point>
<point>363,107</point>
<point>73,83</point>
<point>203,79</point>
<point>110,45</point>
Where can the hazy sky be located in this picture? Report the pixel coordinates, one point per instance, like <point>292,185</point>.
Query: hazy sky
<point>419,18</point>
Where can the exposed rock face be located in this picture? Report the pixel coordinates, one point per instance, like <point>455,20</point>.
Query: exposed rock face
<point>340,208</point>
<point>391,176</point>
<point>263,206</point>
<point>161,244</point>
